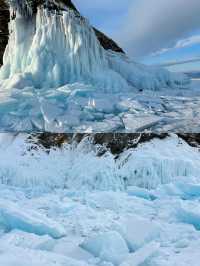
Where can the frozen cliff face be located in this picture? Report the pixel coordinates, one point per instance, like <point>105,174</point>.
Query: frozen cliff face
<point>62,50</point>
<point>57,77</point>
<point>51,50</point>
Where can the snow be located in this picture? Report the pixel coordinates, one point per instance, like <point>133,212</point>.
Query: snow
<point>57,77</point>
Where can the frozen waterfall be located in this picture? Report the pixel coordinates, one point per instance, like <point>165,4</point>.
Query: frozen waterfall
<point>51,50</point>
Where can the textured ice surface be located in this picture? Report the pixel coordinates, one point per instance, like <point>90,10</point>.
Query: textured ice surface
<point>13,216</point>
<point>139,257</point>
<point>57,77</point>
<point>109,246</point>
<point>145,219</point>
<point>137,231</point>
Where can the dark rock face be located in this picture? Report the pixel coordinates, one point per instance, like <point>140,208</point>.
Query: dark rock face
<point>4,19</point>
<point>115,142</point>
<point>106,42</point>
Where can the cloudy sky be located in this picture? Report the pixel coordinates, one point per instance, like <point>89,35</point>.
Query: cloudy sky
<point>151,31</point>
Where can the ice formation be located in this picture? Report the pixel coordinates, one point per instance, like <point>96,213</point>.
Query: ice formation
<point>51,50</point>
<point>57,77</point>
<point>46,222</point>
<point>78,166</point>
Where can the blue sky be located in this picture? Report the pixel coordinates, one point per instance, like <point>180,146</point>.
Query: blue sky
<point>151,31</point>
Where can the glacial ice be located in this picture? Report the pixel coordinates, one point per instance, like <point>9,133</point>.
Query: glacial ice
<point>57,77</point>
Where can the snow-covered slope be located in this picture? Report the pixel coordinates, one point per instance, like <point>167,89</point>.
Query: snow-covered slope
<point>56,76</point>
<point>70,207</point>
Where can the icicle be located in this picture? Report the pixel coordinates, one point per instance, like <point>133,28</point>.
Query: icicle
<point>24,7</point>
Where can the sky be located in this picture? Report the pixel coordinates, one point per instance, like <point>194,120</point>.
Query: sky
<point>150,31</point>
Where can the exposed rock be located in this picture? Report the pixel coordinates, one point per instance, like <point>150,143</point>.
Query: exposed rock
<point>107,43</point>
<point>4,19</point>
<point>116,143</point>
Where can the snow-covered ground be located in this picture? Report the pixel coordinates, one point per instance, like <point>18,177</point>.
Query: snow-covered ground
<point>57,77</point>
<point>69,207</point>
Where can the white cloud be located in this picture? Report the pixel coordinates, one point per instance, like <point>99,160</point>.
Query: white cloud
<point>183,43</point>
<point>152,25</point>
<point>188,41</point>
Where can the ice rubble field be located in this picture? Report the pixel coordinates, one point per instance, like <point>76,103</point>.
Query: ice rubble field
<point>57,77</point>
<point>72,208</point>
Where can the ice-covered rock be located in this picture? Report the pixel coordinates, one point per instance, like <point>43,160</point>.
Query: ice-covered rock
<point>109,246</point>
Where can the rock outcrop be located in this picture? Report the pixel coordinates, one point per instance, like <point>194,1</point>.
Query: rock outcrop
<point>105,41</point>
<point>4,19</point>
<point>116,143</point>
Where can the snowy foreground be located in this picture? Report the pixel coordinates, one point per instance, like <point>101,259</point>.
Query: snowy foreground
<point>57,77</point>
<point>72,208</point>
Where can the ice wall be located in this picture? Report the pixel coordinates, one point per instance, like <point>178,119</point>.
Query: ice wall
<point>54,48</point>
<point>51,49</point>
